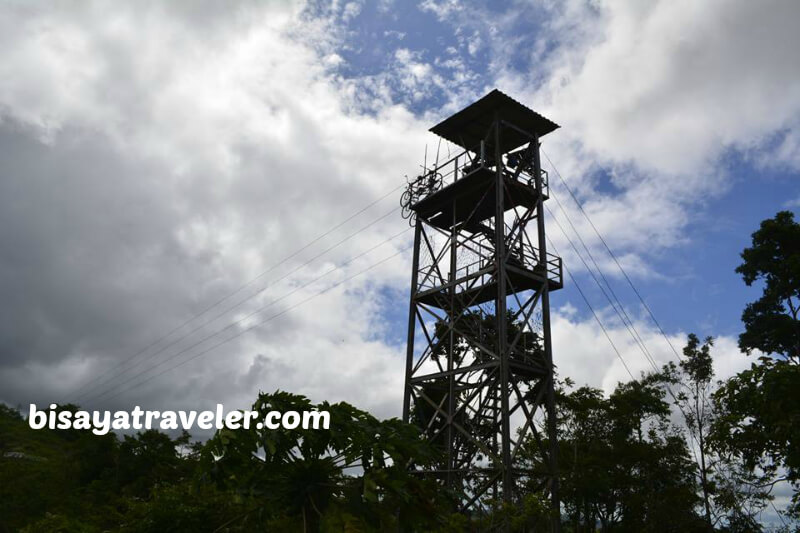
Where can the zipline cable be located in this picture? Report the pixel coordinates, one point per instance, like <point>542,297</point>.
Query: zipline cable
<point>589,305</point>
<point>238,304</point>
<point>259,324</point>
<point>642,347</point>
<point>256,311</point>
<point>630,327</point>
<point>614,257</point>
<point>241,288</point>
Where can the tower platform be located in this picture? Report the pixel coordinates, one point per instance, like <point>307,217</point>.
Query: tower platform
<point>473,198</point>
<point>481,286</point>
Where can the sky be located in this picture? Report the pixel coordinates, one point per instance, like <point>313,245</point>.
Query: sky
<point>155,157</point>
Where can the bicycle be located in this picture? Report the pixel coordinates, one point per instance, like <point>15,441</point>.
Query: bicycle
<point>420,187</point>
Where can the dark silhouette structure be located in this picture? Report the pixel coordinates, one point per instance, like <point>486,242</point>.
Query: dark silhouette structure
<point>479,373</point>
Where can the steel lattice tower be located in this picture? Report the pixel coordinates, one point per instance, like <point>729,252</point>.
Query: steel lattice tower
<point>479,372</point>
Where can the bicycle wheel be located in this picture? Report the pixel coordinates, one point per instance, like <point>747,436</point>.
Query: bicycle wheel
<point>406,211</point>
<point>405,198</point>
<point>439,181</point>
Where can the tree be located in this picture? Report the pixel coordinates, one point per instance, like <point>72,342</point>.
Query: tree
<point>728,489</point>
<point>698,370</point>
<point>622,464</point>
<point>772,324</point>
<point>760,422</point>
<point>760,407</point>
<point>295,479</point>
<point>150,458</point>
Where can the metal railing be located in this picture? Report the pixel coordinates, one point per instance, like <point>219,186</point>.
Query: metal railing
<point>525,257</point>
<point>457,167</point>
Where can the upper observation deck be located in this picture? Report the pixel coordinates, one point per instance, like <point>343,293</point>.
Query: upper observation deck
<point>467,194</point>
<point>462,189</point>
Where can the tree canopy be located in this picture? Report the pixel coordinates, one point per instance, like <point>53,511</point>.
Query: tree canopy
<point>673,450</point>
<point>760,407</point>
<point>771,323</point>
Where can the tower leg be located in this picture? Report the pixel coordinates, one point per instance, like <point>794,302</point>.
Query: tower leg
<point>412,322</point>
<point>550,395</point>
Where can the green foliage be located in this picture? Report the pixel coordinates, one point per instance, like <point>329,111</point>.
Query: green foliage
<point>180,507</point>
<point>759,409</point>
<point>351,477</point>
<point>148,459</point>
<point>698,365</point>
<point>622,464</point>
<point>52,476</point>
<point>483,332</point>
<point>730,499</point>
<point>296,479</point>
<point>532,513</point>
<point>72,480</point>
<point>771,323</point>
<point>760,419</point>
<point>59,523</point>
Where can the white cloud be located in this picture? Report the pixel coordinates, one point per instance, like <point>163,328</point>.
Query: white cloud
<point>351,10</point>
<point>399,35</point>
<point>226,144</point>
<point>654,95</point>
<point>582,352</point>
<point>474,43</point>
<point>442,9</point>
<point>163,155</point>
<point>786,153</point>
<point>670,85</point>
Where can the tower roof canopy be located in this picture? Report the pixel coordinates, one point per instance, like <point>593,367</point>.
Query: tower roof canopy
<point>468,127</point>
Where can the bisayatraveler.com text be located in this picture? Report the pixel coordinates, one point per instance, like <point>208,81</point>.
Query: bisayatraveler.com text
<point>101,422</point>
